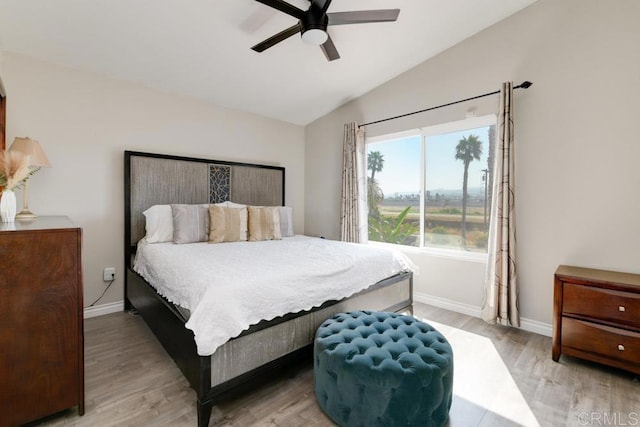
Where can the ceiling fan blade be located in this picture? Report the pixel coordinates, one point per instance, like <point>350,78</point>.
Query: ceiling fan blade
<point>282,35</point>
<point>330,50</point>
<point>323,5</point>
<point>285,7</point>
<point>363,16</point>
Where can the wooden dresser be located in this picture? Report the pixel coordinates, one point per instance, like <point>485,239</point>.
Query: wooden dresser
<point>596,316</point>
<point>41,336</point>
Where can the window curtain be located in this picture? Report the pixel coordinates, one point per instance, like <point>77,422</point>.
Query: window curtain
<point>501,285</point>
<point>353,214</point>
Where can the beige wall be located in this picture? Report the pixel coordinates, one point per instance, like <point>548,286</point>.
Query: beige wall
<point>577,141</point>
<point>85,121</point>
<point>1,59</point>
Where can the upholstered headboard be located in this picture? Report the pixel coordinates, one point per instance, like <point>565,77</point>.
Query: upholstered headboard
<point>152,179</point>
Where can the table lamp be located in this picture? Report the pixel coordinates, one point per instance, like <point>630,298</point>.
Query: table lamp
<point>37,158</point>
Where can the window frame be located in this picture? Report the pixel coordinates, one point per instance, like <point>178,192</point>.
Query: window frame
<point>424,133</point>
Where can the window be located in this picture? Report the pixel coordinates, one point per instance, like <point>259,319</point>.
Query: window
<point>431,187</point>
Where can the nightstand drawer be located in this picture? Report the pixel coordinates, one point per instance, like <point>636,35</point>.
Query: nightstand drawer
<point>604,304</point>
<point>612,343</point>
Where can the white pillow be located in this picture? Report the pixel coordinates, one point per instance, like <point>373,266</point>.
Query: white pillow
<point>159,224</point>
<point>231,204</point>
<point>286,221</point>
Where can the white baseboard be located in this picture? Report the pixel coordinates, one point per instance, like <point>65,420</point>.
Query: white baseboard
<point>535,326</point>
<point>529,325</point>
<point>447,304</point>
<point>101,310</point>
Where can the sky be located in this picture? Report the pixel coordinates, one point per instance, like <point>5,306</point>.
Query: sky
<point>401,170</point>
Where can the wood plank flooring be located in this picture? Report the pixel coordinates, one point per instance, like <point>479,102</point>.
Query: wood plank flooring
<point>503,377</point>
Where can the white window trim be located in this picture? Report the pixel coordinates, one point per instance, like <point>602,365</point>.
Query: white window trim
<point>457,126</point>
<point>423,176</point>
<point>392,136</point>
<point>460,125</point>
<point>436,252</point>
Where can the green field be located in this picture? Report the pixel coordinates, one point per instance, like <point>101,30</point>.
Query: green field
<point>443,226</point>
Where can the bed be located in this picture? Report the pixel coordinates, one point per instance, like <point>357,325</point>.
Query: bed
<point>216,368</point>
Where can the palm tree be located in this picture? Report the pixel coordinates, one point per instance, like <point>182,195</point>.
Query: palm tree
<point>469,148</point>
<point>375,163</point>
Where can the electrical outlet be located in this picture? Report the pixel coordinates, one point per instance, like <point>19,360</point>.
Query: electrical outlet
<point>109,274</point>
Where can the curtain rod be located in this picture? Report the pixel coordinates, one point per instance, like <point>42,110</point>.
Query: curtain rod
<point>523,85</point>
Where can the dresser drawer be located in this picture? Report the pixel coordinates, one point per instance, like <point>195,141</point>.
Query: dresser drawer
<point>612,343</point>
<point>604,304</point>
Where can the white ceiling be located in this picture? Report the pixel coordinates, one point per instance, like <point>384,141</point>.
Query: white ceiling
<point>201,48</point>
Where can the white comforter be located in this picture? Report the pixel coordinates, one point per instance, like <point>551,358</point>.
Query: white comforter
<point>230,286</point>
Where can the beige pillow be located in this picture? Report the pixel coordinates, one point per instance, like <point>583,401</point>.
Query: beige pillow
<point>264,224</point>
<point>227,224</point>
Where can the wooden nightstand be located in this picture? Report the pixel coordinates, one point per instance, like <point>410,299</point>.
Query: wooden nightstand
<point>596,316</point>
<point>41,337</point>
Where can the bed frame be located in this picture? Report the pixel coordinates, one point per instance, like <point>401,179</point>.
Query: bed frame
<point>237,365</point>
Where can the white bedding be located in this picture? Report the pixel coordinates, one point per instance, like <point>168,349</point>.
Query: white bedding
<point>231,286</point>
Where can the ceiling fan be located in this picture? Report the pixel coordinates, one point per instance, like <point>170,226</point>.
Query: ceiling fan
<point>312,23</point>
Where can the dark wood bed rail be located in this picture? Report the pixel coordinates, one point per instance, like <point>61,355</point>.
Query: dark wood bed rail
<point>168,326</point>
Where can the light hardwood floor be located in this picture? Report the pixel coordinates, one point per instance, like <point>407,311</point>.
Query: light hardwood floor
<point>503,377</point>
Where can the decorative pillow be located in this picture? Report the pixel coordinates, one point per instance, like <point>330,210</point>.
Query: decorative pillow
<point>286,221</point>
<point>190,223</point>
<point>264,223</point>
<point>227,224</point>
<point>158,224</point>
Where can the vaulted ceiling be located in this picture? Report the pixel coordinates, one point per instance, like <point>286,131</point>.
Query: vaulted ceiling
<point>201,48</point>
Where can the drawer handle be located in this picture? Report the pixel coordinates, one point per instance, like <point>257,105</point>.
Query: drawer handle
<point>621,308</point>
<point>620,347</point>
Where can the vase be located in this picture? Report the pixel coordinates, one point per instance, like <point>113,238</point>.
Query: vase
<point>8,206</point>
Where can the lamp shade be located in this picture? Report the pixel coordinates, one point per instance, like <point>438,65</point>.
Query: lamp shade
<point>30,147</point>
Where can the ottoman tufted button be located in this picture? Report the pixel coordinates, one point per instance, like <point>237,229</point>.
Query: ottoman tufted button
<point>393,371</point>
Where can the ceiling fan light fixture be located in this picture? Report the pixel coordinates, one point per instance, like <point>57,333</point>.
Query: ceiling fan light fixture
<point>313,22</point>
<point>315,36</point>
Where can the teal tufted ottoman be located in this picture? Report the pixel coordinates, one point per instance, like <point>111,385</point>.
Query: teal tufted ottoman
<point>375,368</point>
